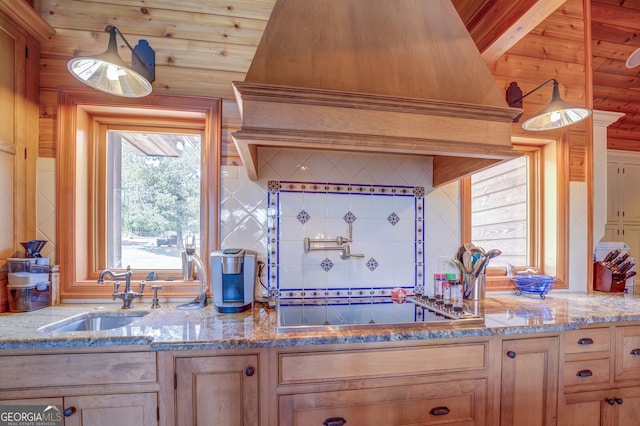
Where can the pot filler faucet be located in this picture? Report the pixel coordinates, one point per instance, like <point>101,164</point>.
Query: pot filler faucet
<point>201,300</point>
<point>128,295</point>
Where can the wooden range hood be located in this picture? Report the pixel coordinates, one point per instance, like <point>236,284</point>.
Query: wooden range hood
<point>401,77</point>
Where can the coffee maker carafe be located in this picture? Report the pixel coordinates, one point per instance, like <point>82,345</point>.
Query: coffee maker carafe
<point>233,274</point>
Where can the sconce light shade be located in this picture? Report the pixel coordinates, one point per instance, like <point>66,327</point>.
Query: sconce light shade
<point>108,73</point>
<point>555,115</point>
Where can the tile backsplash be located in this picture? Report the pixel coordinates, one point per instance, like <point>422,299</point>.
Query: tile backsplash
<point>344,240</point>
<point>246,217</point>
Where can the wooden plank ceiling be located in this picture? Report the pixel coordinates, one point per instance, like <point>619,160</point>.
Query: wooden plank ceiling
<point>615,30</point>
<point>202,46</point>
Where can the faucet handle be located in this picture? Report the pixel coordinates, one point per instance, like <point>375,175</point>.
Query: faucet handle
<point>142,283</point>
<point>116,286</point>
<point>155,303</point>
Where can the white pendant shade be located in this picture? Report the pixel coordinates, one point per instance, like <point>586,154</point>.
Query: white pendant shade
<point>108,73</point>
<point>556,114</point>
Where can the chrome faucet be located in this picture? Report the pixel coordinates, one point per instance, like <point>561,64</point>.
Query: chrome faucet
<point>128,295</point>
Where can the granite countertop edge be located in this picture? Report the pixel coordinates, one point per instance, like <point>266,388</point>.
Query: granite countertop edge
<point>169,329</point>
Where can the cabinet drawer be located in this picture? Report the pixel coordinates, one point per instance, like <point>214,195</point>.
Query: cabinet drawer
<point>24,371</point>
<point>451,403</point>
<point>376,363</point>
<point>588,340</point>
<point>586,372</point>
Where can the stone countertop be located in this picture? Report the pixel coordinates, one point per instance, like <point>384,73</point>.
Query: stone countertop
<point>170,329</point>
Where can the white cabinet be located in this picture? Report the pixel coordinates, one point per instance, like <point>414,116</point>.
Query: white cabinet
<point>623,200</point>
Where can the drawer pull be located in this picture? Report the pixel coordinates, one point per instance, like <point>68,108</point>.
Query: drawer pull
<point>585,341</point>
<point>584,373</point>
<point>69,411</point>
<point>635,351</point>
<point>250,371</point>
<point>511,354</point>
<point>611,401</point>
<point>334,421</point>
<point>619,401</point>
<point>439,411</point>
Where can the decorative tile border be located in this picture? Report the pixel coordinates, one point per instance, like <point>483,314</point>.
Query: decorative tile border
<point>276,188</point>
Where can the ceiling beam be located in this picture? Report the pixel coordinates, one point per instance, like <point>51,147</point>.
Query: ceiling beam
<point>497,25</point>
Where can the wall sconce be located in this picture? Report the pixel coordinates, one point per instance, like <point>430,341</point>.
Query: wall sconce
<point>555,115</point>
<point>108,73</point>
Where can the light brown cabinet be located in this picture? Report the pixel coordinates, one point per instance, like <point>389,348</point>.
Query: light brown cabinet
<point>529,381</point>
<point>457,402</point>
<point>410,385</point>
<point>138,409</point>
<point>210,390</point>
<point>611,407</point>
<point>93,389</point>
<point>21,32</point>
<point>601,376</point>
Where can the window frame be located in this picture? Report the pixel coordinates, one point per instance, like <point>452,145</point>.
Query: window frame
<point>549,218</point>
<point>99,170</point>
<point>82,115</point>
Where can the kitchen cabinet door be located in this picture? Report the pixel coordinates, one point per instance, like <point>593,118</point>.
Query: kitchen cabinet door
<point>217,390</point>
<point>626,411</point>
<point>529,382</point>
<point>623,201</point>
<point>630,200</point>
<point>610,407</point>
<point>21,31</point>
<point>109,410</point>
<point>12,41</point>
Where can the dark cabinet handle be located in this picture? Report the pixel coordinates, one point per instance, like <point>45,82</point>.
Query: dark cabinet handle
<point>585,341</point>
<point>250,371</point>
<point>511,354</point>
<point>334,421</point>
<point>611,401</point>
<point>584,373</point>
<point>69,411</point>
<point>635,351</point>
<point>619,401</point>
<point>439,411</point>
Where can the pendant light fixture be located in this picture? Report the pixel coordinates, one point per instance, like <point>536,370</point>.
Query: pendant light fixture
<point>555,115</point>
<point>108,73</point>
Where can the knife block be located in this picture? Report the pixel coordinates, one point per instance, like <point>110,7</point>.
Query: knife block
<point>603,280</point>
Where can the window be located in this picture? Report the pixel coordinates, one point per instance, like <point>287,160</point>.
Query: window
<point>94,224</point>
<point>503,206</point>
<point>152,197</point>
<point>519,207</point>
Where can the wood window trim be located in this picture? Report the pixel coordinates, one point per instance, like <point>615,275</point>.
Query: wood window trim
<point>551,247</point>
<point>79,113</point>
<point>98,172</point>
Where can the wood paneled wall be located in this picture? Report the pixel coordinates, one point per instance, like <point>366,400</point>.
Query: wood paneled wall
<point>201,47</point>
<point>554,49</point>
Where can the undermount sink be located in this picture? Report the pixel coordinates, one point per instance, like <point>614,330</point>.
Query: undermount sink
<point>93,322</point>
